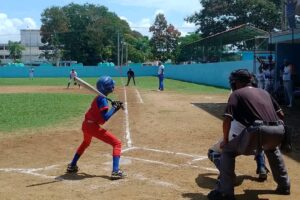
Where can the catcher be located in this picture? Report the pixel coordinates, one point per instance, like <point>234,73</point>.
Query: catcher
<point>96,116</point>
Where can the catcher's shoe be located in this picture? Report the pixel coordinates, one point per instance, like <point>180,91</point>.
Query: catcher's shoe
<point>118,175</point>
<point>216,195</point>
<point>72,168</point>
<point>283,190</point>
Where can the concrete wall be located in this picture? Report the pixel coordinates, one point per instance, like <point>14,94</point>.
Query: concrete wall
<point>215,74</point>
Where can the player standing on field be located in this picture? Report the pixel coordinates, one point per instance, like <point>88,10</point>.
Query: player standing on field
<point>72,76</point>
<point>96,116</point>
<point>160,74</point>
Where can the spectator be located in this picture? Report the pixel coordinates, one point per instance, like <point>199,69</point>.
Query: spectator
<point>260,78</point>
<point>287,78</point>
<point>269,75</point>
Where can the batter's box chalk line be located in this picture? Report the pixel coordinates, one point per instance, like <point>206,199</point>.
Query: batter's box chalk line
<point>31,171</point>
<point>194,158</point>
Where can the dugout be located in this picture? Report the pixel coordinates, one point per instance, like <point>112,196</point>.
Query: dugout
<point>235,41</point>
<point>287,46</point>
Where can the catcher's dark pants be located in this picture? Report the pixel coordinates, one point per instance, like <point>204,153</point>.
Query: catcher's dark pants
<point>246,144</point>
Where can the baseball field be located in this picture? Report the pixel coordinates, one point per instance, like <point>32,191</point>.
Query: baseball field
<point>165,137</point>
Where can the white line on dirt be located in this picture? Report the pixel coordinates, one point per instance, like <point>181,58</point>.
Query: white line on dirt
<point>170,165</point>
<point>31,171</point>
<point>128,149</point>
<point>151,161</point>
<point>197,157</point>
<point>139,95</point>
<point>127,131</point>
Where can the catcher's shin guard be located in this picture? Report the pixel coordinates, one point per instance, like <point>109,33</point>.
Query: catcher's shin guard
<point>214,157</point>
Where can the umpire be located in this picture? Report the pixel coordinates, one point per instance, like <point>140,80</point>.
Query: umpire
<point>262,117</point>
<point>130,74</point>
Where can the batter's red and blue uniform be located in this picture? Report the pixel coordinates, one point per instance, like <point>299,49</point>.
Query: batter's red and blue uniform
<point>91,127</point>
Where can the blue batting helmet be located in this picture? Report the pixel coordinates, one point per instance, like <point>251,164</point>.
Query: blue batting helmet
<point>105,85</point>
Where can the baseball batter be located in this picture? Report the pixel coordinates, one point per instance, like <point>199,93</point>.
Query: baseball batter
<point>96,116</point>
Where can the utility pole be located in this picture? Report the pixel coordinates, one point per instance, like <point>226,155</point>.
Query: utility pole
<point>122,53</point>
<point>283,17</point>
<point>118,48</point>
<point>126,54</point>
<point>29,45</point>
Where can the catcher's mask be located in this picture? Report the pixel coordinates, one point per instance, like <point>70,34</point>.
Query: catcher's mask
<point>242,75</point>
<point>105,85</point>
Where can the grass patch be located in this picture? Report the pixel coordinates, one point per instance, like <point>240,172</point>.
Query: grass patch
<point>27,111</point>
<point>148,83</point>
<point>177,86</point>
<point>46,81</point>
<point>20,111</point>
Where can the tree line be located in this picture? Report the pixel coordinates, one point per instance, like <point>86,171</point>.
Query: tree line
<point>89,33</point>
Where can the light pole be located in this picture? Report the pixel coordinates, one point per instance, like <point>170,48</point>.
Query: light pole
<point>122,47</point>
<point>118,49</point>
<point>30,47</point>
<point>126,54</point>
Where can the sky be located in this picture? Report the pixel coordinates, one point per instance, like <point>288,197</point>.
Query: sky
<point>140,14</point>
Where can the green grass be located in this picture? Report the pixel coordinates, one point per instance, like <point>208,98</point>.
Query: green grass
<point>148,83</point>
<point>27,111</point>
<point>45,81</point>
<point>177,86</point>
<point>20,111</point>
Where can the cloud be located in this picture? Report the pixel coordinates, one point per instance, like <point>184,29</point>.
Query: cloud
<point>144,24</point>
<point>141,26</point>
<point>10,27</point>
<point>186,28</point>
<point>167,5</point>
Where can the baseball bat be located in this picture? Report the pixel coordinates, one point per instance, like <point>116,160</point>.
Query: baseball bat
<point>90,87</point>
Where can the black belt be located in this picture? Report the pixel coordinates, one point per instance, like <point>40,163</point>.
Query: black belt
<point>258,122</point>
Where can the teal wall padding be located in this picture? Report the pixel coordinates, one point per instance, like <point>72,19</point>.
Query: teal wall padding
<point>215,74</point>
<point>86,71</point>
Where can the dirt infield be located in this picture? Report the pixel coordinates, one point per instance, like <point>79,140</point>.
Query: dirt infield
<point>165,140</point>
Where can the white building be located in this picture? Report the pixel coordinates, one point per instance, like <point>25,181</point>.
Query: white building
<point>31,40</point>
